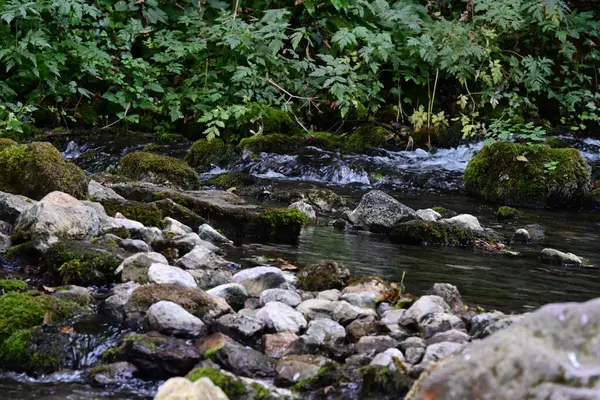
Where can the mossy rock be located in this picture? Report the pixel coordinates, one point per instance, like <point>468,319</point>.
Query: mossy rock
<point>159,169</point>
<point>206,154</point>
<point>20,311</point>
<point>366,137</point>
<point>506,213</point>
<point>329,374</point>
<point>146,213</point>
<point>169,208</point>
<point>273,143</point>
<point>152,148</point>
<point>231,179</point>
<point>36,351</point>
<point>232,386</point>
<point>36,169</point>
<point>75,263</point>
<point>12,285</point>
<point>194,301</point>
<point>5,142</point>
<point>380,382</point>
<point>170,139</point>
<point>283,222</point>
<point>444,212</point>
<point>272,120</point>
<point>556,143</point>
<point>517,174</point>
<point>323,276</point>
<point>419,232</point>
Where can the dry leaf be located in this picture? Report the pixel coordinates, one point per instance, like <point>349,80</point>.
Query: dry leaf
<point>522,158</point>
<point>67,329</point>
<point>47,318</point>
<point>46,289</point>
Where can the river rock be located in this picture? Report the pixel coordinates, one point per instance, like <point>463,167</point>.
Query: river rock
<point>536,232</point>
<point>280,317</point>
<point>325,333</point>
<point>331,295</point>
<point>118,372</point>
<point>76,294</point>
<point>453,335</point>
<point>159,357</point>
<point>186,243</point>
<point>414,349</point>
<point>345,312</point>
<point>521,236</point>
<point>375,344</point>
<point>174,227</point>
<point>306,209</point>
<point>183,389</point>
<point>5,243</point>
<point>464,221</point>
<point>163,273</point>
<point>292,368</point>
<point>239,327</point>
<point>98,192</point>
<point>429,215</point>
<point>135,245</point>
<point>494,326</point>
<point>171,319</point>
<point>317,308</point>
<point>551,353</point>
<point>149,234</point>
<point>361,299</point>
<point>388,359</point>
<point>450,295</point>
<point>380,212</point>
<point>360,327</point>
<point>58,216</point>
<point>245,361</point>
<point>552,256</point>
<point>234,293</point>
<point>13,205</point>
<point>210,234</point>
<point>423,307</point>
<point>202,257</point>
<point>276,345</point>
<point>288,297</point>
<point>135,268</point>
<point>114,305</point>
<point>257,279</point>
<point>392,317</point>
<point>323,276</point>
<point>435,353</point>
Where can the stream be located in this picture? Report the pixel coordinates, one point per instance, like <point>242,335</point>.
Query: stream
<point>419,179</point>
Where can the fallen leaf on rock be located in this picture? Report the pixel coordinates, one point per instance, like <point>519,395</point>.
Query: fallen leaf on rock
<point>67,329</point>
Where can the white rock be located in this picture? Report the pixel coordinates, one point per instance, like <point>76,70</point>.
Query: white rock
<point>183,389</point>
<point>331,295</point>
<point>317,308</point>
<point>386,359</point>
<point>325,332</point>
<point>175,227</point>
<point>423,307</point>
<point>135,245</point>
<point>13,205</point>
<point>207,232</point>
<point>257,279</point>
<point>100,193</point>
<point>288,297</point>
<point>428,214</point>
<point>464,221</point>
<point>162,273</point>
<point>202,257</point>
<point>345,312</point>
<point>281,317</point>
<point>306,209</point>
<point>234,293</point>
<point>135,268</point>
<point>171,319</point>
<point>553,256</point>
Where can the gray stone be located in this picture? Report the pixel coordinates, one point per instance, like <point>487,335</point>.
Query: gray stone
<point>74,293</point>
<point>388,359</point>
<point>5,242</point>
<point>293,368</point>
<point>234,293</point>
<point>392,317</point>
<point>361,299</point>
<point>317,308</point>
<point>150,234</point>
<point>114,305</point>
<point>325,332</point>
<point>174,227</point>
<point>331,295</point>
<point>414,355</point>
<point>306,209</point>
<point>162,273</point>
<point>493,326</point>
<point>435,353</point>
<point>439,322</point>
<point>114,373</point>
<point>202,257</point>
<point>98,192</point>
<point>464,221</point>
<point>183,389</point>
<point>186,243</point>
<point>453,335</point>
<point>277,345</point>
<point>552,256</point>
<point>449,293</point>
<point>375,344</point>
<point>135,268</point>
<point>382,308</point>
<point>280,317</point>
<point>257,279</point>
<point>428,215</point>
<point>210,278</point>
<point>208,233</point>
<point>5,228</point>
<point>239,327</point>
<point>58,216</point>
<point>245,361</point>
<point>135,245</point>
<point>171,319</point>
<point>421,308</point>
<point>345,312</point>
<point>13,205</point>
<point>521,236</point>
<point>360,327</point>
<point>553,353</point>
<point>288,297</point>
<point>379,212</point>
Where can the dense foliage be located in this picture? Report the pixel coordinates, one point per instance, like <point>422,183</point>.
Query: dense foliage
<point>215,67</point>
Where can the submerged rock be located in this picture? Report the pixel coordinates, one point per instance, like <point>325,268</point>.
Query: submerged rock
<point>552,256</point>
<point>496,174</point>
<point>507,213</point>
<point>379,212</point>
<point>419,232</point>
<point>551,353</point>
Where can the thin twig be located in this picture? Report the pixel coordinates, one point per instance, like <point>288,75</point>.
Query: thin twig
<point>120,119</point>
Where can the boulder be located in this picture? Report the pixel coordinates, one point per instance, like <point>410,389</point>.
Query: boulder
<point>174,227</point>
<point>392,317</point>
<point>288,297</point>
<point>257,279</point>
<point>429,215</point>
<point>317,308</point>
<point>324,333</point>
<point>114,305</point>
<point>280,317</point>
<point>276,345</point>
<point>365,326</point>
<point>13,205</point>
<point>135,245</point>
<point>375,344</point>
<point>331,295</point>
<point>76,294</point>
<point>388,359</point>
<point>202,257</point>
<point>432,324</point>
<point>552,256</point>
<point>306,209</point>
<point>379,212</point>
<point>423,307</point>
<point>361,299</point>
<point>234,293</point>
<point>183,389</point>
<point>135,268</point>
<point>496,174</point>
<point>245,361</point>
<point>239,327</point>
<point>153,168</point>
<point>449,293</point>
<point>208,233</point>
<point>163,273</point>
<point>345,312</point>
<point>507,213</point>
<point>464,221</point>
<point>37,169</point>
<point>551,353</point>
<point>171,319</point>
<point>419,232</point>
<point>100,193</point>
<point>58,216</point>
<point>521,236</point>
<point>323,276</point>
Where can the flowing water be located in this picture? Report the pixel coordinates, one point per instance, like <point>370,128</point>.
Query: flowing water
<point>420,179</point>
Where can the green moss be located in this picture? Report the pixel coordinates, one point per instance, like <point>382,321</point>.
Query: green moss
<point>205,154</point>
<point>283,222</point>
<point>444,212</point>
<point>537,176</point>
<point>273,143</point>
<point>231,179</point>
<point>556,143</point>
<point>419,232</point>
<point>328,375</point>
<point>152,148</point>
<point>211,354</point>
<point>147,214</point>
<point>595,194</point>
<point>260,392</point>
<point>112,353</point>
<point>506,212</point>
<point>170,138</point>
<point>14,350</point>
<point>272,120</point>
<point>169,208</point>
<point>5,142</point>
<point>159,169</point>
<point>21,251</point>
<point>379,380</point>
<point>120,232</point>
<point>231,386</point>
<point>25,310</point>
<point>12,285</point>
<point>37,169</point>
